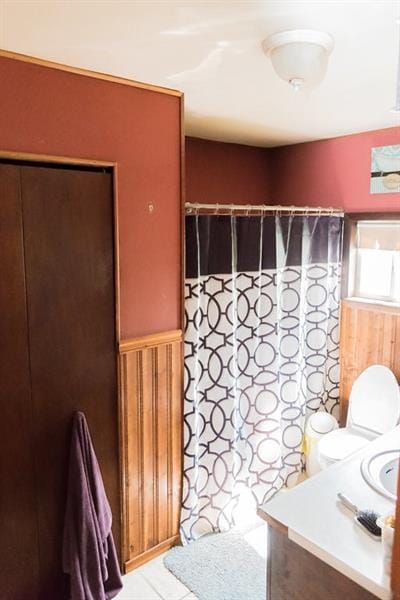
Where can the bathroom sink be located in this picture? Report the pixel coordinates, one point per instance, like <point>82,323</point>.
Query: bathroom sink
<point>380,471</point>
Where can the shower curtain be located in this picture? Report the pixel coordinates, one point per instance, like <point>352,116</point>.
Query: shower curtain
<point>261,353</point>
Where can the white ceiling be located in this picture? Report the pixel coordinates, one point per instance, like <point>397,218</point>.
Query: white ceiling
<point>211,50</point>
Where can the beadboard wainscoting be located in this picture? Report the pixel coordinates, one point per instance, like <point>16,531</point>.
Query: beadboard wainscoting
<point>151,444</point>
<point>369,335</point>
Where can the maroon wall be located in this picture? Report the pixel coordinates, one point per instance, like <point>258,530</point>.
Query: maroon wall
<point>53,112</point>
<point>217,172</point>
<point>334,172</point>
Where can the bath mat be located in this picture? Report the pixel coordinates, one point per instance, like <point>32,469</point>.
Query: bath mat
<point>220,566</point>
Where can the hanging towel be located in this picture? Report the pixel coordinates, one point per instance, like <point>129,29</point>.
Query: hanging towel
<point>89,555</point>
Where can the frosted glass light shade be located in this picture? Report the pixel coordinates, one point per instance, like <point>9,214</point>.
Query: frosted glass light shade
<point>299,57</point>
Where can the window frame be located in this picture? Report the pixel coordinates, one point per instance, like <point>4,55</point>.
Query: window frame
<point>349,248</point>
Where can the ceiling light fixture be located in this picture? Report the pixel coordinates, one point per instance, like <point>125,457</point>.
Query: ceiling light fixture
<point>300,56</point>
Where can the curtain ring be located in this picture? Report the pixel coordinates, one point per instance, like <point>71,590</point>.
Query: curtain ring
<point>216,209</point>
<point>248,207</point>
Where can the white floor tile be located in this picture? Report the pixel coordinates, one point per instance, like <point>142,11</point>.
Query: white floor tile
<point>137,588</point>
<point>162,580</point>
<point>153,581</point>
<point>257,538</point>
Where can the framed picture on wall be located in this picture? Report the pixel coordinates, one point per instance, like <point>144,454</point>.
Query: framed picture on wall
<point>385,169</point>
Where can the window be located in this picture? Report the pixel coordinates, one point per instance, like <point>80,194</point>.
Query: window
<point>375,268</point>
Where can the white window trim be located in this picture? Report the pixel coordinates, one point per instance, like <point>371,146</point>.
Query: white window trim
<point>354,279</point>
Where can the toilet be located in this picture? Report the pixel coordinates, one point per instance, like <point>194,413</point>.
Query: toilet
<point>374,409</point>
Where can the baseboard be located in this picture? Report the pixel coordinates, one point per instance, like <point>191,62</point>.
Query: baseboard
<point>143,558</point>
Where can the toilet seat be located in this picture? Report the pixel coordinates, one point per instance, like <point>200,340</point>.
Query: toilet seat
<point>339,444</point>
<point>374,403</point>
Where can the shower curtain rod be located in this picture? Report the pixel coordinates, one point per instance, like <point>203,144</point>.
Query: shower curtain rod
<point>244,209</point>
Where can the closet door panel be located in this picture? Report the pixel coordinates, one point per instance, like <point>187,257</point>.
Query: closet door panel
<point>68,223</point>
<point>18,532</point>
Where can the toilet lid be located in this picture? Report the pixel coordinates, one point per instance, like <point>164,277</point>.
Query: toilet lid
<point>374,402</point>
<point>339,444</point>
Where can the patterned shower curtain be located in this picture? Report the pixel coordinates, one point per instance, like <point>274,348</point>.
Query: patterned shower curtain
<point>261,353</point>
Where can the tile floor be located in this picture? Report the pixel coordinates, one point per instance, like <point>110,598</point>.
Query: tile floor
<point>153,581</point>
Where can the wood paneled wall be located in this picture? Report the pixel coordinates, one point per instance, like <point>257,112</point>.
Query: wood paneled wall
<point>151,444</point>
<point>369,334</point>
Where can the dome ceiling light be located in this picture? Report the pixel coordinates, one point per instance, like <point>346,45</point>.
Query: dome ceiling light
<point>300,56</point>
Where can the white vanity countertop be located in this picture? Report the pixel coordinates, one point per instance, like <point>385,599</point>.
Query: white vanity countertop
<point>320,524</point>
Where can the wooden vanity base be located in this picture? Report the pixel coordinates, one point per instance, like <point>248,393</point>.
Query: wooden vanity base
<point>295,574</point>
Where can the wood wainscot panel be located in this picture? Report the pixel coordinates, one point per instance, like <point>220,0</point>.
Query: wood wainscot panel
<point>369,335</point>
<point>151,444</point>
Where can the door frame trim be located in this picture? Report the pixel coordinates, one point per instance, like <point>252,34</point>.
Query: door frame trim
<point>53,158</point>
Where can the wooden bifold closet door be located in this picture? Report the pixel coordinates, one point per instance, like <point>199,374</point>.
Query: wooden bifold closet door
<point>57,356</point>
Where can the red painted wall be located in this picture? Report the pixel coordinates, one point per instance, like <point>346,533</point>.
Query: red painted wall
<point>218,172</point>
<point>334,172</point>
<point>47,111</point>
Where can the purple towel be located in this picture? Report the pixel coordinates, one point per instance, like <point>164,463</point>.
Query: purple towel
<point>88,547</point>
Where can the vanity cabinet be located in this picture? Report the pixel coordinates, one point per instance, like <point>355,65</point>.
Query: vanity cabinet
<point>315,548</point>
<point>293,573</point>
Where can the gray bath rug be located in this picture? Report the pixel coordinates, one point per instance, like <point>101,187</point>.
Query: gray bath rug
<point>221,566</point>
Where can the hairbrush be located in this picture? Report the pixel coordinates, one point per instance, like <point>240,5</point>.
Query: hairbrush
<point>365,518</point>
